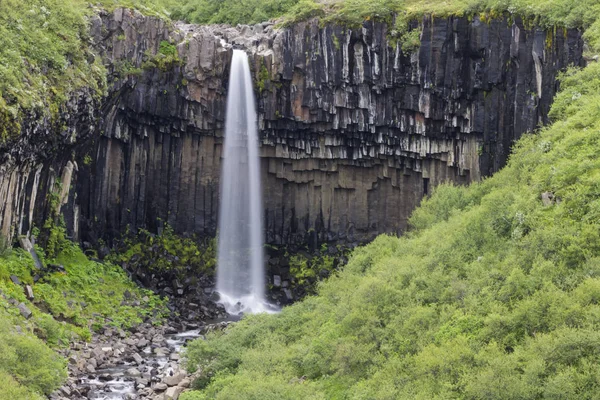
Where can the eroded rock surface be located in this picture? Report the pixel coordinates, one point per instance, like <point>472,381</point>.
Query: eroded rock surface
<point>354,132</point>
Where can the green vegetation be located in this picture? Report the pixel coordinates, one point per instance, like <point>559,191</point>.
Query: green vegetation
<point>494,293</point>
<point>27,360</point>
<point>167,253</point>
<point>307,271</point>
<point>45,55</point>
<point>69,302</point>
<point>546,13</point>
<point>166,58</point>
<point>231,11</point>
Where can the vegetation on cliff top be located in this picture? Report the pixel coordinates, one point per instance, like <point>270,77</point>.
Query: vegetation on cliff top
<point>495,292</point>
<point>540,12</point>
<point>46,53</point>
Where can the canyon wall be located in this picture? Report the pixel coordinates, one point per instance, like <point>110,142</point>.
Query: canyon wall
<point>354,130</point>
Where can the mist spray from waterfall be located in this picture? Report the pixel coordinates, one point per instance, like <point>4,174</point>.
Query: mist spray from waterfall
<point>240,264</point>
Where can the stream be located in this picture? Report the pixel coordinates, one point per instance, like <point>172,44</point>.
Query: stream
<point>143,363</point>
<point>117,383</point>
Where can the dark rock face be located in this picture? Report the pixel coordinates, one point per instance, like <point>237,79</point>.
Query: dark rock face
<point>354,132</point>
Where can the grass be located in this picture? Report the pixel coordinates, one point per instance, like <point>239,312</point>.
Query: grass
<point>67,306</point>
<point>492,294</point>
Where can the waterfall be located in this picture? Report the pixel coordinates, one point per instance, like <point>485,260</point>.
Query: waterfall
<point>240,263</point>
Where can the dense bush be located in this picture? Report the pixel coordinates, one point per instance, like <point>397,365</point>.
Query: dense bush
<point>10,389</point>
<point>494,293</point>
<point>231,11</point>
<point>167,254</point>
<point>29,360</point>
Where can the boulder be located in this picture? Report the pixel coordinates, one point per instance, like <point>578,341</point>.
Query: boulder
<point>24,310</point>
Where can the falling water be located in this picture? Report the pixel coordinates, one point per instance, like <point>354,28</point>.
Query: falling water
<point>240,270</point>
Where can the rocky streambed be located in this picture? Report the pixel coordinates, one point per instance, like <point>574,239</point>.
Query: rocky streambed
<point>143,362</point>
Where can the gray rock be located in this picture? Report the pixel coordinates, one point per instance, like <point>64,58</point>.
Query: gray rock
<point>29,292</point>
<point>547,198</point>
<point>173,393</point>
<point>25,312</point>
<point>66,390</point>
<point>160,387</point>
<point>185,383</point>
<point>137,358</point>
<point>134,372</point>
<point>175,379</point>
<point>276,280</point>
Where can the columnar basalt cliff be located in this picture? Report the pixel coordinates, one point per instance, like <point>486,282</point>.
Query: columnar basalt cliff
<point>354,131</point>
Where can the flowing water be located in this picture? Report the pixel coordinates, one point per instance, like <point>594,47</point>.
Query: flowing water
<point>121,385</point>
<point>240,266</point>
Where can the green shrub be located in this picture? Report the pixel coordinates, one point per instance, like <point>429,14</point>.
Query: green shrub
<point>10,389</point>
<point>231,11</point>
<point>493,293</point>
<point>29,360</point>
<point>167,253</point>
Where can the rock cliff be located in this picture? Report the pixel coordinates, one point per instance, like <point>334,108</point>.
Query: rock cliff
<point>354,131</point>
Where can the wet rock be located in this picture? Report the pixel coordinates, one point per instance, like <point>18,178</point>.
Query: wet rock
<point>105,377</point>
<point>133,372</point>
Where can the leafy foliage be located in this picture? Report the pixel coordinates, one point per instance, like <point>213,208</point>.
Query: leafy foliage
<point>67,305</point>
<point>231,11</point>
<point>10,389</point>
<point>167,253</point>
<point>29,361</point>
<point>494,293</point>
<point>306,271</point>
<point>165,59</point>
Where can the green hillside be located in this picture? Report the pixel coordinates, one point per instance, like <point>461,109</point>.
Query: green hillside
<point>494,294</point>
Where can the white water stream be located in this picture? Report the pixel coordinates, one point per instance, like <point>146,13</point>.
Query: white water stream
<point>240,264</point>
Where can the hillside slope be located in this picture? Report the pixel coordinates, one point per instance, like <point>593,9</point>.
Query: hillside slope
<point>494,294</point>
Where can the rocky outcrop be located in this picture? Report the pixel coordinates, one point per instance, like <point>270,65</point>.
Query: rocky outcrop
<point>40,162</point>
<point>354,131</point>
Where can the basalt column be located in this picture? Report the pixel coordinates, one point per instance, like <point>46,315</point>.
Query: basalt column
<point>354,130</point>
